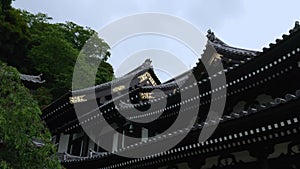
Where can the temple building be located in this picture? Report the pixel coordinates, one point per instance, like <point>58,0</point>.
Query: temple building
<point>258,128</point>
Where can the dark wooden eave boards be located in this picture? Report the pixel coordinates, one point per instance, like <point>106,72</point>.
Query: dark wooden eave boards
<point>277,88</point>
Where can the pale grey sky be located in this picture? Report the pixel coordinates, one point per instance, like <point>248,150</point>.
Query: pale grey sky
<point>251,24</point>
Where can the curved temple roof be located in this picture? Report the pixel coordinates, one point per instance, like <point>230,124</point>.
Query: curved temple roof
<point>223,47</point>
<point>263,71</point>
<point>144,66</point>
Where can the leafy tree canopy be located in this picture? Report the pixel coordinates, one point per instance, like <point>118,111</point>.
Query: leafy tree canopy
<point>33,45</point>
<point>20,124</point>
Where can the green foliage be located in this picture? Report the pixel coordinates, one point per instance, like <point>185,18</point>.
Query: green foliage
<point>5,4</point>
<point>55,58</point>
<point>105,73</point>
<point>96,48</point>
<point>43,95</point>
<point>54,50</point>
<point>14,37</point>
<point>91,70</point>
<point>75,34</point>
<point>20,124</point>
<point>34,45</point>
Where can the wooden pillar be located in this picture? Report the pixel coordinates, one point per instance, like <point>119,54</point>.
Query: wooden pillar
<point>115,142</point>
<point>63,143</point>
<point>144,134</point>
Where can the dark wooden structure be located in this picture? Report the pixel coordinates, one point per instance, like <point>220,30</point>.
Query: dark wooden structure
<point>258,129</point>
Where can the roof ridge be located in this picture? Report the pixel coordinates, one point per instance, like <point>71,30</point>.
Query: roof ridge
<point>145,65</point>
<point>219,45</point>
<point>283,37</point>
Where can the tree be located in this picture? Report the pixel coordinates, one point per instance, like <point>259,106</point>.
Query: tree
<point>20,124</point>
<point>5,4</point>
<point>55,58</point>
<point>55,48</point>
<point>33,45</point>
<point>14,35</point>
<point>43,96</point>
<point>75,34</point>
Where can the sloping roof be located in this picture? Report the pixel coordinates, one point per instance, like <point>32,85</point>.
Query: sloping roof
<point>284,37</point>
<point>144,66</point>
<point>53,111</point>
<point>253,113</point>
<point>221,46</point>
<point>227,50</point>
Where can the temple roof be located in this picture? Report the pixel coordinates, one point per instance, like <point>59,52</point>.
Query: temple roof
<point>32,78</point>
<point>52,111</point>
<point>227,50</point>
<point>284,37</point>
<point>283,103</point>
<point>241,80</point>
<point>144,66</point>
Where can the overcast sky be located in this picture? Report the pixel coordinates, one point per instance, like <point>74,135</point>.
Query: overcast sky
<point>250,24</point>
